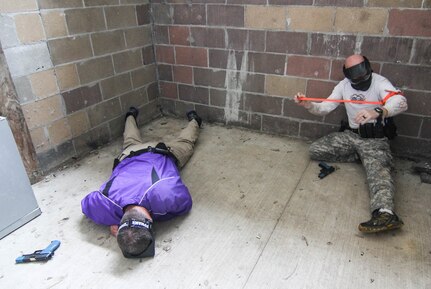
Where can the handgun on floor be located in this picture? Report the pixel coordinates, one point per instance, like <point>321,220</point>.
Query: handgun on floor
<point>325,169</point>
<point>40,255</point>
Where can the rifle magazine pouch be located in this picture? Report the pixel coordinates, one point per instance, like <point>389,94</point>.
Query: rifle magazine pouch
<point>371,130</point>
<point>365,130</point>
<point>378,130</point>
<point>390,129</point>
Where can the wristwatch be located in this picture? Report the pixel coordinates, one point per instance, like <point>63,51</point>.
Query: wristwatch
<point>379,111</point>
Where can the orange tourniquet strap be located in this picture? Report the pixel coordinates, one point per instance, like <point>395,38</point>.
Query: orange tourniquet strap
<point>339,100</point>
<point>389,95</point>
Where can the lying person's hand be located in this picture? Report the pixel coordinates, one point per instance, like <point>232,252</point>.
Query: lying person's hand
<point>114,230</point>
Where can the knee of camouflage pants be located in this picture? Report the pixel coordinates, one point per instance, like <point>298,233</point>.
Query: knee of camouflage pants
<point>335,147</point>
<point>314,151</point>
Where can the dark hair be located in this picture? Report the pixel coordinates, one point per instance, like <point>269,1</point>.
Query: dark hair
<point>133,240</point>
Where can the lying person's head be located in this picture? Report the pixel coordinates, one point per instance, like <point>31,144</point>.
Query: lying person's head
<point>134,233</point>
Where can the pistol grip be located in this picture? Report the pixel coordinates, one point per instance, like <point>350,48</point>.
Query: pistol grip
<point>325,170</point>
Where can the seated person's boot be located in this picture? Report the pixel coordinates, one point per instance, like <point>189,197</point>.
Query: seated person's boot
<point>381,221</point>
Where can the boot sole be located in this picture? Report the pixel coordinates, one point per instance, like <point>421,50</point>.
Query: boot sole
<point>379,229</point>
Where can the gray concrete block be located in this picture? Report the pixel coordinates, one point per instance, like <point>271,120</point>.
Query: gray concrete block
<point>24,60</point>
<point>8,36</point>
<point>23,89</point>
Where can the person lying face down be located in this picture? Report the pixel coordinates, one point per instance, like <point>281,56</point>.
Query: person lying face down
<point>145,186</point>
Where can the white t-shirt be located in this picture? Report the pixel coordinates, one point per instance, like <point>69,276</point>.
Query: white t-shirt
<point>380,87</point>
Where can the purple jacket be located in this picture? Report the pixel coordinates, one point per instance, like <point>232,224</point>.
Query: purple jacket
<point>150,180</point>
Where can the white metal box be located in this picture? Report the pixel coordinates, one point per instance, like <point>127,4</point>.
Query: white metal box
<point>18,204</point>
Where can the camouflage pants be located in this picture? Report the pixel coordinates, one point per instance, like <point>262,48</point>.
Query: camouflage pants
<point>376,158</point>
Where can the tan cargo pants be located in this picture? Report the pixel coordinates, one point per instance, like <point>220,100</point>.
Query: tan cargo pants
<point>182,147</point>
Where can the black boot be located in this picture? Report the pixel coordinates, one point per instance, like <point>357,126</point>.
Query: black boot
<point>193,115</point>
<point>133,111</point>
<point>381,221</point>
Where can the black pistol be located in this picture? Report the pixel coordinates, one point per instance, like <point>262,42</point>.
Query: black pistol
<point>325,169</point>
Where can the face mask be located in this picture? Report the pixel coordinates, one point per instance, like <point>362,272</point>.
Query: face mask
<point>364,84</point>
<point>359,75</point>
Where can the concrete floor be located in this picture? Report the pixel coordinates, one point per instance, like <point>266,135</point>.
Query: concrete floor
<point>261,219</point>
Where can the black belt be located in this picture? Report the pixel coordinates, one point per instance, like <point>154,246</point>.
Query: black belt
<point>367,131</point>
<point>380,129</point>
<point>160,148</point>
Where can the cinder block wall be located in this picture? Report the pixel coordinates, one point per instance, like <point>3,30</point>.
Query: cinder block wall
<point>77,66</point>
<point>241,62</point>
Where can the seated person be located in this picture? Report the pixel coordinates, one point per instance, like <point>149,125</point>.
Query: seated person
<point>364,138</point>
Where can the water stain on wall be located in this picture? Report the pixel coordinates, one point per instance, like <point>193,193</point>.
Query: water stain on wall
<point>233,83</point>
